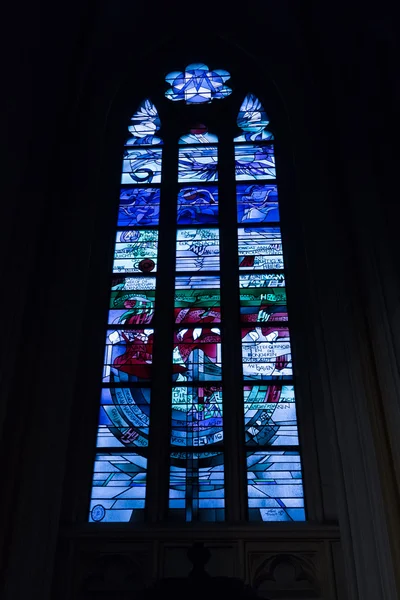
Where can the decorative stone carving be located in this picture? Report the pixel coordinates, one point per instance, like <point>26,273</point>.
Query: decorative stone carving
<point>282,574</point>
<point>199,584</point>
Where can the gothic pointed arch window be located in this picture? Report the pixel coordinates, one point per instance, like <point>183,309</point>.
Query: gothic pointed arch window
<point>197,410</point>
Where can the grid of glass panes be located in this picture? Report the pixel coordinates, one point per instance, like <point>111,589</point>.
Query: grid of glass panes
<point>196,490</point>
<point>275,490</point>
<point>119,480</point>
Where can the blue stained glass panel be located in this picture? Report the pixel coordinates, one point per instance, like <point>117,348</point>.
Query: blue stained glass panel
<point>260,248</point>
<point>257,203</point>
<point>261,302</point>
<point>136,251</point>
<point>198,205</point>
<point>275,488</point>
<point>197,164</point>
<point>199,138</point>
<point>197,299</point>
<point>145,122</point>
<point>139,206</point>
<point>270,415</point>
<point>197,250</point>
<point>253,120</point>
<point>196,416</point>
<point>132,300</point>
<point>119,488</point>
<point>254,161</point>
<point>197,354</point>
<point>124,417</point>
<point>128,355</point>
<point>141,165</point>
<point>197,282</point>
<point>197,84</point>
<point>196,491</point>
<point>266,353</point>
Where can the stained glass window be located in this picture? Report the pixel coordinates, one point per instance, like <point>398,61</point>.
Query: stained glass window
<point>194,224</point>
<point>197,84</point>
<point>275,491</point>
<point>253,121</point>
<point>119,478</point>
<point>197,490</point>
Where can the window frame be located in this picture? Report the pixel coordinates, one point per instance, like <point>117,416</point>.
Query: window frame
<point>76,497</point>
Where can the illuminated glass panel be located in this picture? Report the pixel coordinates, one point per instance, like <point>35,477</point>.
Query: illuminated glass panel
<point>275,488</point>
<point>275,491</point>
<point>197,299</point>
<point>139,207</point>
<point>119,480</point>
<point>257,203</point>
<point>196,416</point>
<point>141,165</point>
<point>260,302</point>
<point>260,248</point>
<point>124,417</point>
<point>128,355</point>
<point>263,280</point>
<point>119,488</point>
<point>197,163</point>
<point>253,120</point>
<point>254,162</point>
<point>145,122</point>
<point>136,251</point>
<point>266,353</point>
<point>197,84</point>
<point>199,138</point>
<point>197,250</point>
<point>270,415</point>
<point>197,440</point>
<point>197,354</point>
<point>198,205</point>
<point>196,490</point>
<point>132,300</point>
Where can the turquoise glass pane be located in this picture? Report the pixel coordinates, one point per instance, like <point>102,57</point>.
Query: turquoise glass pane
<point>253,120</point>
<point>260,302</point>
<point>145,122</point>
<point>260,248</point>
<point>275,487</point>
<point>196,416</point>
<point>197,250</point>
<point>124,417</point>
<point>136,251</point>
<point>199,137</point>
<point>119,488</point>
<point>270,415</point>
<point>196,491</point>
<point>254,162</point>
<point>141,165</point>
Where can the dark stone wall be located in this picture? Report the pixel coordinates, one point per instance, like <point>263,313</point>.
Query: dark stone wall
<point>335,74</point>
